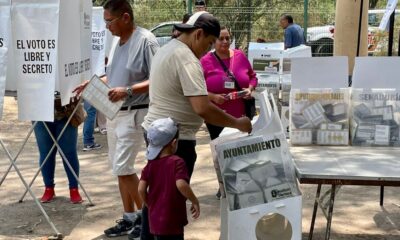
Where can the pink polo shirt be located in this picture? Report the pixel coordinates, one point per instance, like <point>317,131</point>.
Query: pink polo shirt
<point>215,74</point>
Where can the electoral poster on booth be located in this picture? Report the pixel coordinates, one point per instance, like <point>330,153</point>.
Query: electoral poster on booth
<point>35,46</point>
<point>74,49</point>
<point>99,41</point>
<point>4,46</point>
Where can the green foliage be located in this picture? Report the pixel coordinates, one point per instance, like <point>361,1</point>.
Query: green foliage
<point>248,19</point>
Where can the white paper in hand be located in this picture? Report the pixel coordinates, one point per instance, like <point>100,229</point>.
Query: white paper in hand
<point>96,93</point>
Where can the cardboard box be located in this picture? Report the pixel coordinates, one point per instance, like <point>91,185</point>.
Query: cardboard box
<point>333,137</point>
<point>250,199</point>
<point>241,224</point>
<point>301,137</point>
<point>277,192</point>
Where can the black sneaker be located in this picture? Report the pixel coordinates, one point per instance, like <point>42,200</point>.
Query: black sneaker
<point>135,233</point>
<point>123,227</point>
<point>91,147</point>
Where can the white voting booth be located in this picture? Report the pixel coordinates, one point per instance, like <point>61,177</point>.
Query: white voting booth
<point>262,196</point>
<point>375,103</point>
<point>272,65</point>
<point>319,101</point>
<point>49,51</point>
<point>5,30</point>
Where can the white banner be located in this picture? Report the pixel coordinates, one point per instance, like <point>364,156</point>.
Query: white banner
<point>99,41</point>
<point>35,44</point>
<point>5,28</point>
<point>390,7</point>
<point>74,50</point>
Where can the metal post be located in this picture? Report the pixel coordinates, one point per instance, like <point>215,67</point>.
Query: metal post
<point>19,152</point>
<point>10,157</point>
<point>330,213</point>
<point>189,10</point>
<point>359,28</point>
<point>305,19</point>
<point>382,195</point>
<point>391,33</point>
<point>398,50</point>
<point>310,235</point>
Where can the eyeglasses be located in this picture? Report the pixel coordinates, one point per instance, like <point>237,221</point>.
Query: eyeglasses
<point>227,38</point>
<point>109,22</point>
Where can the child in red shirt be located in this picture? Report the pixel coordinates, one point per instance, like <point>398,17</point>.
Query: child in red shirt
<point>164,183</point>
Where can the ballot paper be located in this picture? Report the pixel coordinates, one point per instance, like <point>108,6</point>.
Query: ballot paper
<point>96,93</point>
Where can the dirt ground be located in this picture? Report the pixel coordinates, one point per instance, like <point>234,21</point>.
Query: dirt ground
<point>357,214</point>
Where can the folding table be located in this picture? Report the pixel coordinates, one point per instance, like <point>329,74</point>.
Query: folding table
<point>338,166</point>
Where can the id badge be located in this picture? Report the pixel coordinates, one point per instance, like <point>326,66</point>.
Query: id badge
<point>228,83</point>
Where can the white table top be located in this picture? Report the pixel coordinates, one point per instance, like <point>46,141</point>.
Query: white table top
<point>347,163</point>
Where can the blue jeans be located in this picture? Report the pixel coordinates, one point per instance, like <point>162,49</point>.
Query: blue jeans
<point>88,125</point>
<point>68,144</point>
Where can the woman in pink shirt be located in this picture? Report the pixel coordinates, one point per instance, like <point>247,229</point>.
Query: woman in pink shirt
<point>220,84</point>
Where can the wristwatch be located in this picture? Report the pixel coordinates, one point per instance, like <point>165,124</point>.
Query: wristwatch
<point>129,91</point>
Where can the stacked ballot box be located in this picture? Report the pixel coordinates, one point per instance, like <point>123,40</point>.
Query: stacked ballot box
<point>270,82</point>
<point>256,170</point>
<point>319,116</point>
<point>263,200</point>
<point>375,117</point>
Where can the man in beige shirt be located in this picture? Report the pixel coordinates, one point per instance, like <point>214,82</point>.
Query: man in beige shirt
<point>178,89</point>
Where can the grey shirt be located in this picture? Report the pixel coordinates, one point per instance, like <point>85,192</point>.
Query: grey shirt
<point>130,63</point>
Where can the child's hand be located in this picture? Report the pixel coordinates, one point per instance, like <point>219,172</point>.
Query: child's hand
<point>195,210</point>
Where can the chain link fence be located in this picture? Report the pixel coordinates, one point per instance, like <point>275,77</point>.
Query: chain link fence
<point>258,20</point>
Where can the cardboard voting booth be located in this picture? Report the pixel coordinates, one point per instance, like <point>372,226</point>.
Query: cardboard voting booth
<point>5,29</point>
<point>266,60</point>
<point>51,42</point>
<point>375,102</point>
<point>262,196</point>
<point>319,101</point>
<point>273,67</point>
<point>101,41</point>
<point>47,50</point>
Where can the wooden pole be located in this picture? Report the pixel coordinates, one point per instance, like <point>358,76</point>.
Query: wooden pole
<point>351,34</point>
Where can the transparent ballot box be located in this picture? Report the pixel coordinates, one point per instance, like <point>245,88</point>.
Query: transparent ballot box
<point>319,116</point>
<point>375,117</point>
<point>256,170</point>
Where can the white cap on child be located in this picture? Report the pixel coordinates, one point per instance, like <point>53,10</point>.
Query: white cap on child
<point>159,134</point>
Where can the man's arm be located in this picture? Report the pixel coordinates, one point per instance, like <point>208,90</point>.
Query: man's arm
<point>142,189</point>
<point>82,86</point>
<point>214,115</point>
<point>119,93</point>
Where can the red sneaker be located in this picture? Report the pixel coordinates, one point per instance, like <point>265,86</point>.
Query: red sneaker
<point>48,195</point>
<point>75,196</point>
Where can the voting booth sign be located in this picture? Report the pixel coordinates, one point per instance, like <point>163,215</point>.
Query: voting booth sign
<point>5,29</point>
<point>375,102</point>
<point>74,52</point>
<point>263,200</point>
<point>51,41</point>
<point>101,41</point>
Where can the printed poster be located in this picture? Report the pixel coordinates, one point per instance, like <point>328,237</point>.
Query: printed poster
<point>99,41</point>
<point>4,46</point>
<point>35,52</point>
<point>74,48</point>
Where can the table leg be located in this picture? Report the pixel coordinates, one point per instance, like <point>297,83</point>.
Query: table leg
<point>382,195</point>
<point>310,235</point>
<point>330,213</point>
